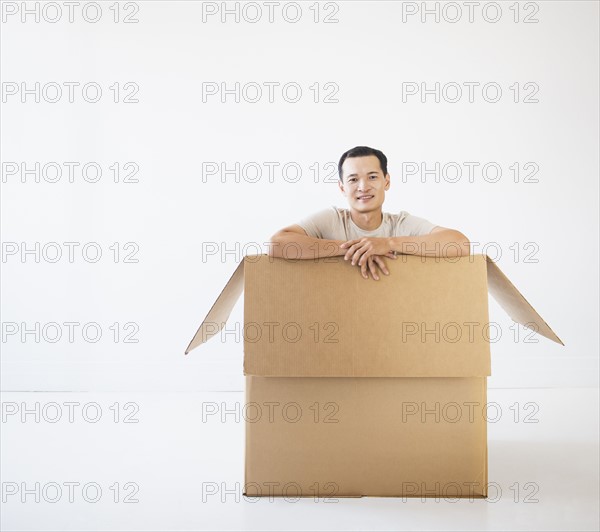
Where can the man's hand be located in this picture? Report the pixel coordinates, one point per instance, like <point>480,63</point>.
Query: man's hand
<point>368,253</point>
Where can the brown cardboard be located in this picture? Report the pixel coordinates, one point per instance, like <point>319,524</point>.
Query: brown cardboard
<point>345,437</point>
<point>316,333</point>
<point>221,309</point>
<point>515,305</point>
<point>425,319</point>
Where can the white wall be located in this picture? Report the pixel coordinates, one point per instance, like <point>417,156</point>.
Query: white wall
<point>175,210</point>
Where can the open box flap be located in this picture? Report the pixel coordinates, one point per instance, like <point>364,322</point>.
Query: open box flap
<point>221,309</point>
<point>514,304</point>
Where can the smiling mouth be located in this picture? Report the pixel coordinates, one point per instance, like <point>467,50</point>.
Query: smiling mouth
<point>365,198</point>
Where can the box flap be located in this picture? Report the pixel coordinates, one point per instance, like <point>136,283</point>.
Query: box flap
<point>221,309</point>
<point>321,318</point>
<point>514,304</point>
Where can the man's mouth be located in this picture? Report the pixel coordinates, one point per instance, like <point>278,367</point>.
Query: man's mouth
<point>366,197</point>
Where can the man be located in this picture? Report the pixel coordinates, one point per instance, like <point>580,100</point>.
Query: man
<point>365,234</point>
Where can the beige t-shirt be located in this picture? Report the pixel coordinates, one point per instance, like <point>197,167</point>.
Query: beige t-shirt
<point>335,223</point>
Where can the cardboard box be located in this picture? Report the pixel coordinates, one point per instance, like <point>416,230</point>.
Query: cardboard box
<point>358,387</point>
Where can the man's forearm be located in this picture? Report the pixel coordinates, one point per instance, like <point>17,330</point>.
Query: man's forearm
<point>291,245</point>
<point>448,243</point>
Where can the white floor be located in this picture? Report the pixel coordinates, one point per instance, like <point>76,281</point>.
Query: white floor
<point>545,474</point>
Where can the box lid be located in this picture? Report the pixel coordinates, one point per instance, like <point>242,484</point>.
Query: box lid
<point>514,304</point>
<point>428,318</point>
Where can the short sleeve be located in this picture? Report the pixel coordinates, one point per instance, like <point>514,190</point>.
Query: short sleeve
<point>414,225</point>
<point>319,223</point>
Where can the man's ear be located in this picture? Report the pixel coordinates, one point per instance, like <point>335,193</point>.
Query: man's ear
<point>387,181</point>
<point>341,186</point>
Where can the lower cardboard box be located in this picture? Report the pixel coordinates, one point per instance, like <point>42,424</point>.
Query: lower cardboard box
<point>348,437</point>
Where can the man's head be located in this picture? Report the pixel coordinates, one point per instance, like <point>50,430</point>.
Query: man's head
<point>364,178</point>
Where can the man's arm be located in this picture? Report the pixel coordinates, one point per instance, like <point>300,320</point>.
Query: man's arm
<point>440,242</point>
<point>293,243</point>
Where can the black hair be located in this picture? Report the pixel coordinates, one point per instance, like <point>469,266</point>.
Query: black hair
<point>362,151</point>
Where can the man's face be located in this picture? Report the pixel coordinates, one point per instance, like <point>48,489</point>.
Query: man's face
<point>364,183</point>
